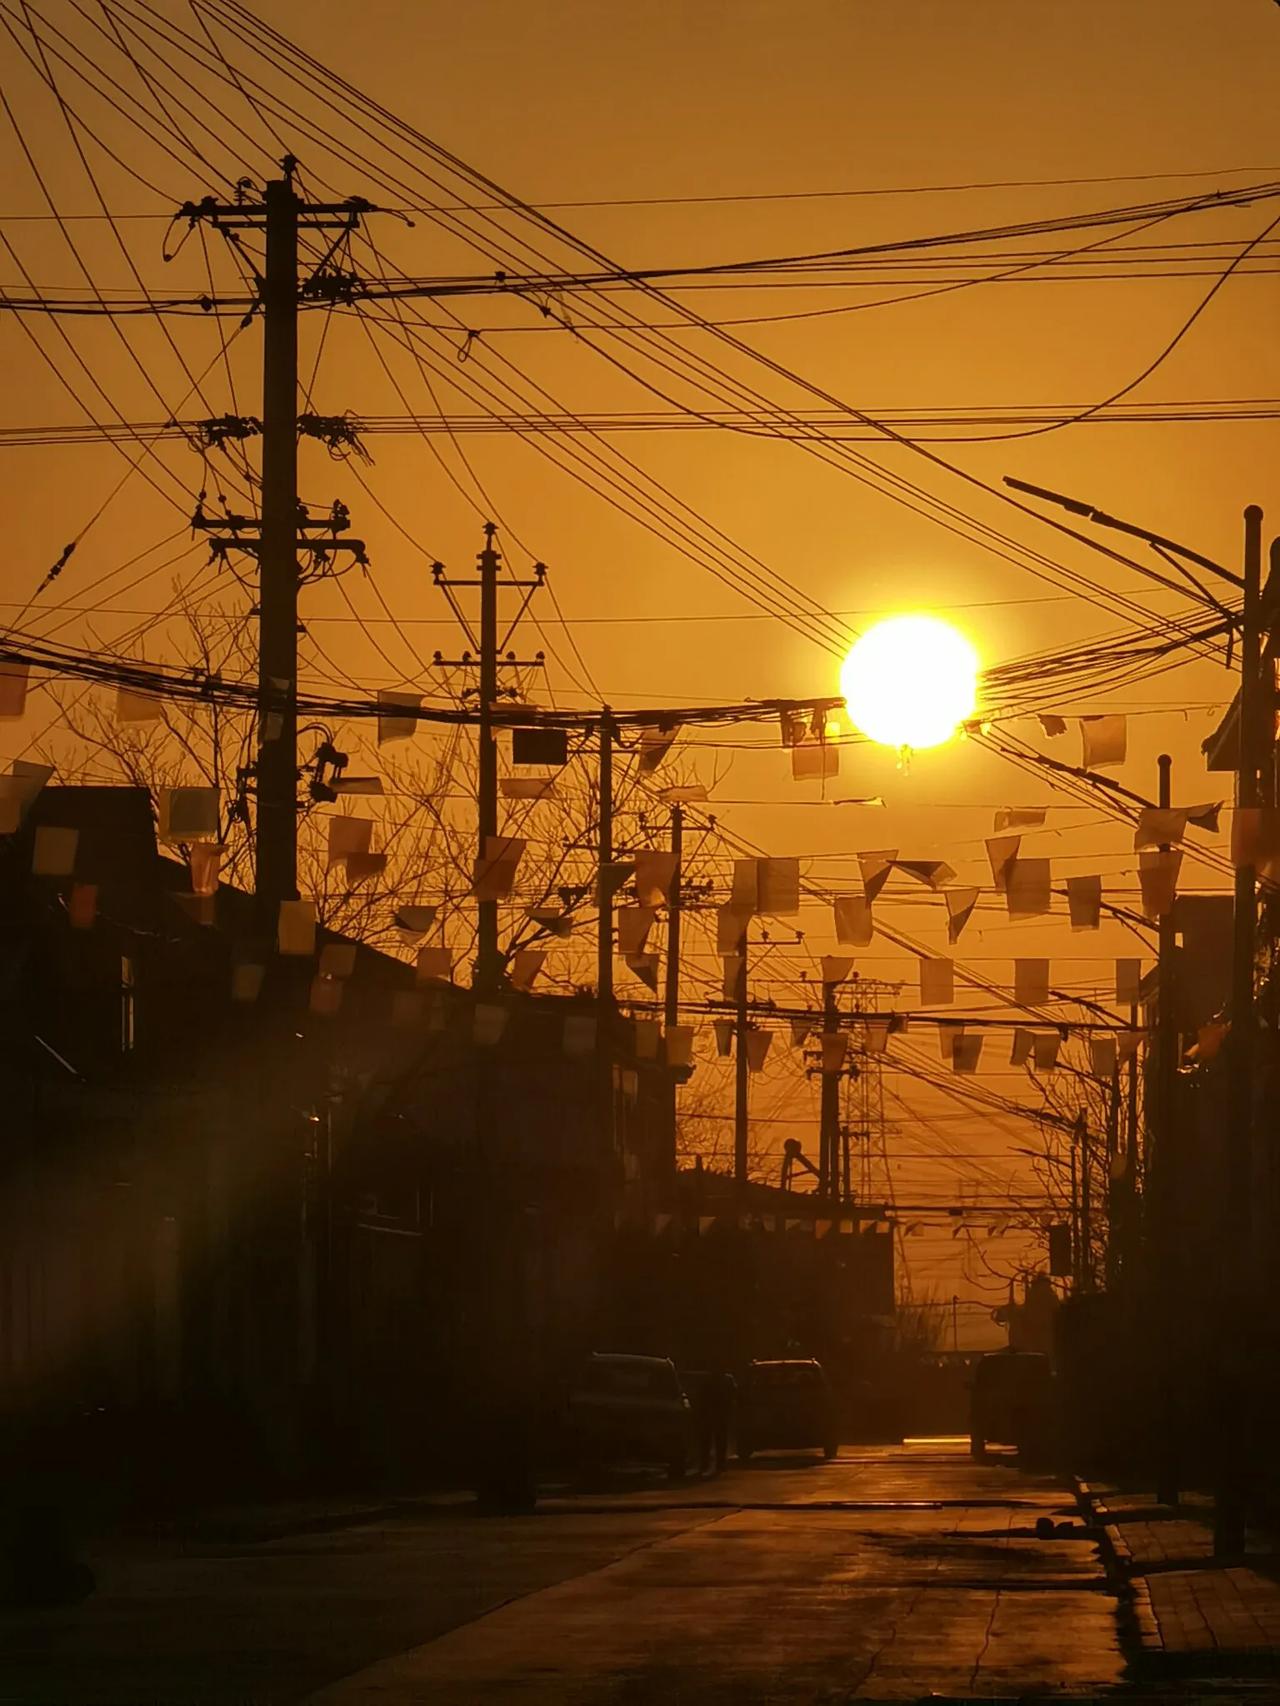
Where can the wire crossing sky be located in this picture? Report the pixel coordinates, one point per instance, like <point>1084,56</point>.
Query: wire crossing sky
<point>778,376</point>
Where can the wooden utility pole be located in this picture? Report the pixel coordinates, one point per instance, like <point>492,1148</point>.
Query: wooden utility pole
<point>604,882</point>
<point>282,528</point>
<point>1237,1396</point>
<point>1116,1187</point>
<point>489,665</point>
<point>488,959</point>
<point>741,1121</point>
<point>1077,1266</point>
<point>277,822</point>
<point>829,1105</point>
<point>605,1009</point>
<point>1136,1154</point>
<point>1162,1186</point>
<point>1086,1205</point>
<point>1253,745</point>
<point>671,1002</point>
<point>671,1007</point>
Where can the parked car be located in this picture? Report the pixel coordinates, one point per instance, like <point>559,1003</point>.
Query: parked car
<point>631,1409</point>
<point>786,1406</point>
<point>1010,1400</point>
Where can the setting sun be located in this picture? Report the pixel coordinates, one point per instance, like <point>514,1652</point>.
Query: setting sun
<point>910,681</point>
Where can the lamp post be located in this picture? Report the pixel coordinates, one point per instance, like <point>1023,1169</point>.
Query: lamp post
<point>1233,1401</point>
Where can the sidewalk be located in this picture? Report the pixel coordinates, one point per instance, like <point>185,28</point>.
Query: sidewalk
<point>1189,1613</point>
<point>276,1520</point>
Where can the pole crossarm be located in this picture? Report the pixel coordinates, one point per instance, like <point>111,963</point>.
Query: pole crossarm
<point>249,215</point>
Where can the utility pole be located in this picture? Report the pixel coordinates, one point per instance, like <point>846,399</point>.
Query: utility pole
<point>604,883</point>
<point>1076,1263</point>
<point>1237,1394</point>
<point>283,528</point>
<point>1117,1188</point>
<point>1253,743</point>
<point>1163,1185</point>
<point>277,826</point>
<point>740,1071</point>
<point>829,1105</point>
<point>488,962</point>
<point>671,1012</point>
<point>604,937</point>
<point>671,1002</point>
<point>1135,1141</point>
<point>1086,1206</point>
<point>489,660</point>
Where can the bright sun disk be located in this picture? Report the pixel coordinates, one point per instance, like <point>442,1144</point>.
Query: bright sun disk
<point>910,681</point>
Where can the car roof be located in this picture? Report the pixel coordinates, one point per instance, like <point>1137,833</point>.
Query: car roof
<point>786,1362</point>
<point>624,1359</point>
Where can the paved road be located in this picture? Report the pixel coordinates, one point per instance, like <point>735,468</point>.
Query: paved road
<point>888,1574</point>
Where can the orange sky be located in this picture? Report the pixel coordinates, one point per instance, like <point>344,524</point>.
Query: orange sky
<point>578,102</point>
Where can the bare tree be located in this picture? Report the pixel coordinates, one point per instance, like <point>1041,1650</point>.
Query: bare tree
<point>204,743</point>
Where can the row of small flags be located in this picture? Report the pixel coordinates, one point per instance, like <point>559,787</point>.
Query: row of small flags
<point>190,816</point>
<point>1031,982</point>
<point>1039,1049</point>
<point>808,735</point>
<point>775,882</point>
<point>297,933</point>
<point>815,756</point>
<point>802,1224</point>
<point>811,734</point>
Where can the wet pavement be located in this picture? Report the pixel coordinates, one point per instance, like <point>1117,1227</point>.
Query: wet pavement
<point>888,1574</point>
<point>891,1573</point>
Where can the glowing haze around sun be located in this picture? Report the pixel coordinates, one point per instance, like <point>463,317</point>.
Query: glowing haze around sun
<point>910,682</point>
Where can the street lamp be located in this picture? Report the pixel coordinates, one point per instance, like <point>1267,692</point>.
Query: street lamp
<point>1254,738</point>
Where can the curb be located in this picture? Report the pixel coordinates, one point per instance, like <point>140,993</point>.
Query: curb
<point>1141,1638</point>
<point>1136,1625</point>
<point>1114,1553</point>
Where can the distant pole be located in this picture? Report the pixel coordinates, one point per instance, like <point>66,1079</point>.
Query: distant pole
<point>955,1322</point>
<point>829,1105</point>
<point>1135,1141</point>
<point>604,935</point>
<point>671,1012</point>
<point>487,971</point>
<point>1075,1218</point>
<point>1116,1188</point>
<point>1164,1163</point>
<point>488,959</point>
<point>1162,1186</point>
<point>604,884</point>
<point>1086,1207</point>
<point>1253,743</point>
<point>671,1003</point>
<point>276,873</point>
<point>1135,1179</point>
<point>1241,1231</point>
<point>740,1071</point>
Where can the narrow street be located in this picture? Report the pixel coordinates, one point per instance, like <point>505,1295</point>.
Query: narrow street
<point>892,1573</point>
